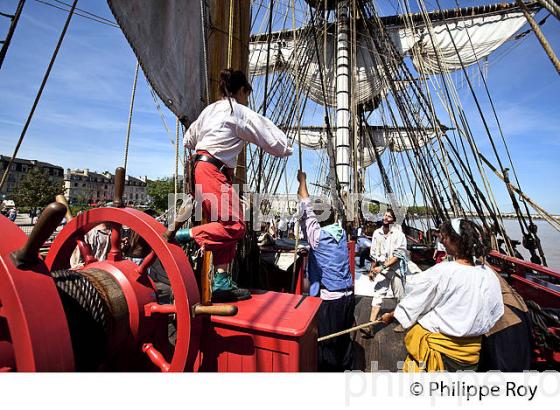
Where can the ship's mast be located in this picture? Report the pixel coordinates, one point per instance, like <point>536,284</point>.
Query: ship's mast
<point>343,83</point>
<point>228,46</point>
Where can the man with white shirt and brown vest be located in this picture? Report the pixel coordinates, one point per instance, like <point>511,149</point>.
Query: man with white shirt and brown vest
<point>218,136</point>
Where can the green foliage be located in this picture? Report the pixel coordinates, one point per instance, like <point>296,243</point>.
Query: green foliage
<point>36,190</point>
<point>420,210</point>
<point>74,209</point>
<point>374,208</point>
<point>159,191</point>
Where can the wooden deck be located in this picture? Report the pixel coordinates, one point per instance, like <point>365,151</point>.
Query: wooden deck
<point>385,349</point>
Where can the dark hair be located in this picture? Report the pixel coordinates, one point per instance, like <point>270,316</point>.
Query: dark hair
<point>320,208</point>
<point>231,82</point>
<point>472,242</point>
<point>389,210</point>
<point>331,218</point>
<point>151,212</point>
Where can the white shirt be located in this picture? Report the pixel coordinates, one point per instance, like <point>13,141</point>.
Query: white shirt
<point>223,133</point>
<point>282,224</point>
<point>384,246</point>
<point>439,246</point>
<point>453,299</point>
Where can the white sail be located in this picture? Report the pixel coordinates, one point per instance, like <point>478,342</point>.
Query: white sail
<point>475,38</point>
<point>304,64</point>
<point>392,138</point>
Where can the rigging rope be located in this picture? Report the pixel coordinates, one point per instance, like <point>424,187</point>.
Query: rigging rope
<point>230,34</point>
<point>176,177</point>
<point>462,118</point>
<point>514,201</point>
<point>204,28</point>
<point>520,217</point>
<point>129,126</point>
<point>39,93</point>
<point>540,36</point>
<point>14,21</point>
<point>265,99</point>
<point>300,160</point>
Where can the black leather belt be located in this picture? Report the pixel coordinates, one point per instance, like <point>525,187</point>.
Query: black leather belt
<point>211,160</point>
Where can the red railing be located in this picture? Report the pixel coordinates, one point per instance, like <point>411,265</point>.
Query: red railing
<point>545,290</point>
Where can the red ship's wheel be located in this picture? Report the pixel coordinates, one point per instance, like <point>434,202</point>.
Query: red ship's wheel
<point>121,298</point>
<point>34,333</point>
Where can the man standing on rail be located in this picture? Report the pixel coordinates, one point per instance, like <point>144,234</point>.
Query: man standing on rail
<point>218,136</point>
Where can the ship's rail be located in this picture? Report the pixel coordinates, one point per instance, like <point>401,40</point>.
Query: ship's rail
<point>532,281</point>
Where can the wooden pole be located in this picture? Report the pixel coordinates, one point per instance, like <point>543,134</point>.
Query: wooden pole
<point>352,329</point>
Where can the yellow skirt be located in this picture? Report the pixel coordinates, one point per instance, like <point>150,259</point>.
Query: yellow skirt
<point>425,349</point>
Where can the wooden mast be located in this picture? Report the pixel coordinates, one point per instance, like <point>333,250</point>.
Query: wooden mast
<point>218,50</point>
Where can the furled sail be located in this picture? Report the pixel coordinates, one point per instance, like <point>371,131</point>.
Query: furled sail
<point>475,35</point>
<point>462,40</point>
<point>303,63</point>
<point>166,37</point>
<point>393,138</point>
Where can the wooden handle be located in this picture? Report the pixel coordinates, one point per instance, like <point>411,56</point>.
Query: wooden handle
<point>61,199</point>
<point>48,222</point>
<point>119,188</point>
<point>216,310</point>
<point>205,282</point>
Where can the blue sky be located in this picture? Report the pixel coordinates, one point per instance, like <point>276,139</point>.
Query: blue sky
<point>82,117</point>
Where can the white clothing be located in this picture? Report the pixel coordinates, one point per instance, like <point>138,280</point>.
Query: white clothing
<point>383,247</point>
<point>223,133</point>
<point>439,246</point>
<point>328,295</point>
<point>385,285</point>
<point>453,299</point>
<point>99,241</point>
<point>282,224</point>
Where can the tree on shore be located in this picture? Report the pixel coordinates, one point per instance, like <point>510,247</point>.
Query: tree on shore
<point>36,189</point>
<point>159,190</point>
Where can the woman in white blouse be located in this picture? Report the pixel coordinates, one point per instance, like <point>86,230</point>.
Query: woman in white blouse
<point>450,306</point>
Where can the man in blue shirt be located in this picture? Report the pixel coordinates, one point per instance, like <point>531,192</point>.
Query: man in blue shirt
<point>330,278</point>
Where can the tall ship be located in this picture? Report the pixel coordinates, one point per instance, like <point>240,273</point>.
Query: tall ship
<point>372,97</point>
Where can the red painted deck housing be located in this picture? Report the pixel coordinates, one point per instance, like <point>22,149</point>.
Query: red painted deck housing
<point>268,334</point>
